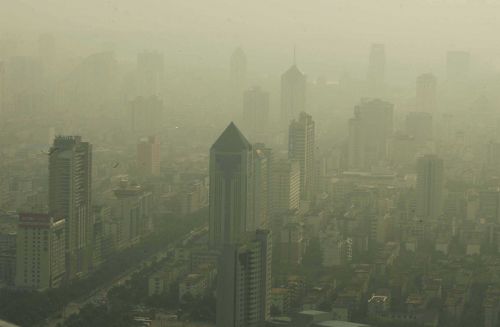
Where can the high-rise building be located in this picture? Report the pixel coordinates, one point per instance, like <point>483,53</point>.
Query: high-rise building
<point>457,66</point>
<point>231,188</point>
<point>285,186</point>
<point>70,166</point>
<point>369,133</point>
<point>419,126</point>
<point>146,114</point>
<point>244,282</point>
<point>131,209</point>
<point>293,94</point>
<point>261,187</point>
<point>426,93</point>
<point>256,113</point>
<point>376,66</point>
<point>40,251</point>
<point>429,189</point>
<point>301,149</point>
<point>148,156</point>
<point>150,73</point>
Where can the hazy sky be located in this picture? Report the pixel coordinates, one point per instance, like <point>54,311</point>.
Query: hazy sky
<point>329,34</point>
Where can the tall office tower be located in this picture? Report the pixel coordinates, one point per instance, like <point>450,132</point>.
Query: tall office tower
<point>231,188</point>
<point>429,189</point>
<point>40,251</point>
<point>426,93</point>
<point>376,66</point>
<point>457,66</point>
<point>147,115</point>
<point>268,153</point>
<point>301,149</point>
<point>244,282</point>
<point>293,95</point>
<point>285,186</point>
<point>369,133</point>
<point>148,156</point>
<point>150,73</point>
<point>256,113</point>
<point>70,167</point>
<point>419,125</point>
<point>261,187</point>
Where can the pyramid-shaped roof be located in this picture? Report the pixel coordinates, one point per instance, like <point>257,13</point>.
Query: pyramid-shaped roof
<point>231,140</point>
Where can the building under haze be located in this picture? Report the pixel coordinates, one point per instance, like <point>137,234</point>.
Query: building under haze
<point>244,281</point>
<point>301,149</point>
<point>426,93</point>
<point>40,251</point>
<point>231,175</point>
<point>369,133</point>
<point>148,156</point>
<point>285,187</point>
<point>70,167</point>
<point>256,113</point>
<point>293,94</point>
<point>430,187</point>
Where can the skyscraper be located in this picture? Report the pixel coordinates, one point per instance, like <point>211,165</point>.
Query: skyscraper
<point>301,149</point>
<point>70,166</point>
<point>261,187</point>
<point>429,190</point>
<point>231,188</point>
<point>293,94</point>
<point>244,282</point>
<point>40,251</point>
<point>376,66</point>
<point>426,93</point>
<point>148,156</point>
<point>256,113</point>
<point>369,134</point>
<point>285,187</point>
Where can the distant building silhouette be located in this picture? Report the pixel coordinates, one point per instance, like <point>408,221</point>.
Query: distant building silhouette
<point>369,133</point>
<point>293,94</point>
<point>426,93</point>
<point>429,190</point>
<point>148,156</point>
